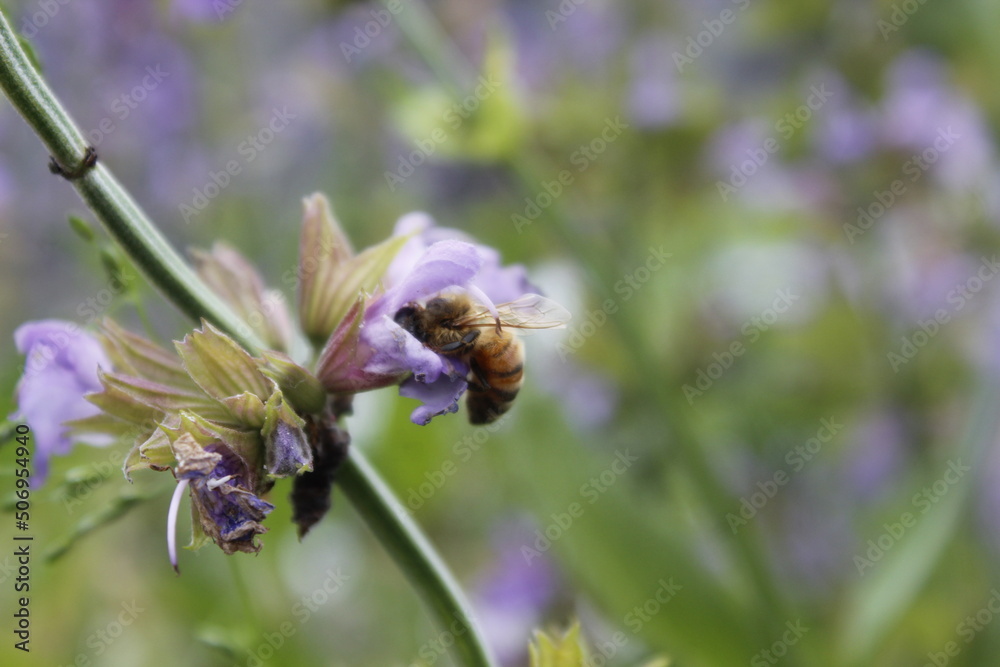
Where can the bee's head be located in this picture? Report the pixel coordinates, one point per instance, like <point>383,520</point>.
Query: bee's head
<point>408,317</point>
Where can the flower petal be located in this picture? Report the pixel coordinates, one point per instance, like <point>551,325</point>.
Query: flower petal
<point>60,367</point>
<point>439,397</point>
<point>444,264</point>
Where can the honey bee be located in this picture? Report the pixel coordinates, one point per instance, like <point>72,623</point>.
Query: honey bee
<point>457,326</point>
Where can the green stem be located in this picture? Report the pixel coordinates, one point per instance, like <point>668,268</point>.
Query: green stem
<point>165,269</point>
<point>414,554</point>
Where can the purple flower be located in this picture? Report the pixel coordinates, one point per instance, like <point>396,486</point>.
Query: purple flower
<point>923,111</point>
<point>383,353</point>
<point>877,456</point>
<point>511,598</point>
<point>201,11</point>
<point>846,131</point>
<point>588,398</point>
<point>654,99</point>
<point>60,368</point>
<point>498,282</point>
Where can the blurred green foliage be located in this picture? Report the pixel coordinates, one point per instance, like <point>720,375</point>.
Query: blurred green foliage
<point>650,553</point>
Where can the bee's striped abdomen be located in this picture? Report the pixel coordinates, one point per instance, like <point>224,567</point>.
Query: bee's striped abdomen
<point>499,365</point>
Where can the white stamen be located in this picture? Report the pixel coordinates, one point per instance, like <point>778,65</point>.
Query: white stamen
<point>216,483</point>
<point>175,504</point>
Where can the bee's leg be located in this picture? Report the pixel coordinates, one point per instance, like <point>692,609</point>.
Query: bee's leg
<point>476,380</point>
<point>466,340</point>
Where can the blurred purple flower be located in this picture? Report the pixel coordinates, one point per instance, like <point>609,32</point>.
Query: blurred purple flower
<point>733,154</point>
<point>922,269</point>
<point>588,399</point>
<point>922,111</point>
<point>653,97</point>
<point>877,456</point>
<point>60,367</point>
<point>846,131</point>
<point>988,502</point>
<point>554,50</point>
<point>511,598</point>
<point>728,146</point>
<point>815,553</point>
<point>202,11</point>
<point>432,261</point>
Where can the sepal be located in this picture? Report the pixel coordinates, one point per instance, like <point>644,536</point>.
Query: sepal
<point>224,370</point>
<point>331,276</point>
<point>286,446</point>
<point>135,355</point>
<point>230,275</point>
<point>300,387</point>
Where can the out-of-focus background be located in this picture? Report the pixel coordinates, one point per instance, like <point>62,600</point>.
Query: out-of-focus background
<point>769,435</point>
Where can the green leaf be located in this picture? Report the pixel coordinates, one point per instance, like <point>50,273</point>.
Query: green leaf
<point>244,442</point>
<point>82,228</point>
<point>246,408</point>
<point>323,248</point>
<point>100,424</point>
<point>553,651</point>
<point>153,453</point>
<point>116,401</point>
<point>627,558</point>
<point>887,590</point>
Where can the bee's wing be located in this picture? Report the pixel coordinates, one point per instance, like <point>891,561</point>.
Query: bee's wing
<point>531,311</point>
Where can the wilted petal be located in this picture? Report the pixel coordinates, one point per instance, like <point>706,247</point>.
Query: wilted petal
<point>222,501</point>
<point>311,490</point>
<point>60,367</point>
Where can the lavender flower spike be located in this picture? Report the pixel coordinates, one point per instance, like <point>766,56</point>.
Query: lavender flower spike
<point>60,367</point>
